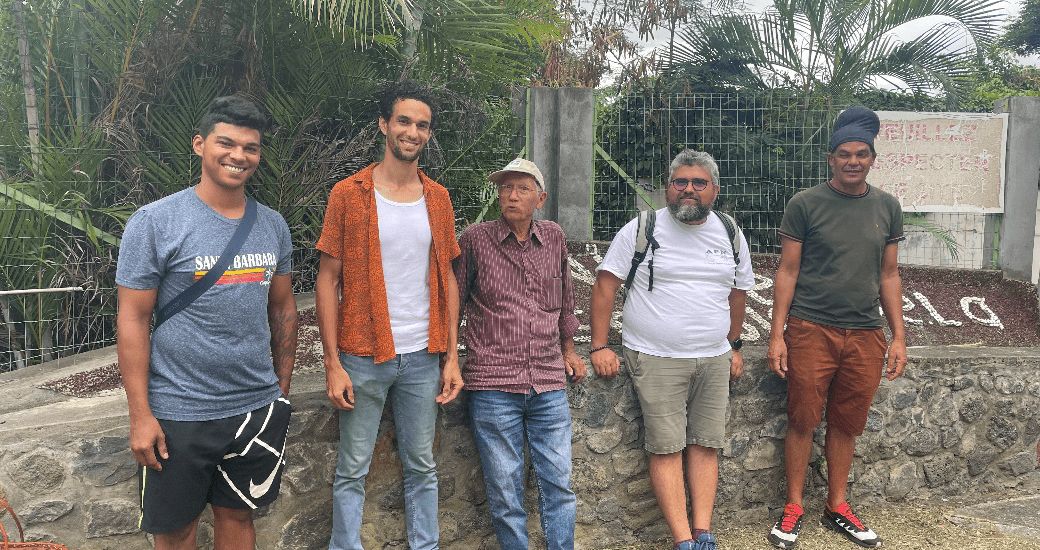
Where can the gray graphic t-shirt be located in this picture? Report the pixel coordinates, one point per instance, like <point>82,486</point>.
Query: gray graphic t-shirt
<point>213,358</point>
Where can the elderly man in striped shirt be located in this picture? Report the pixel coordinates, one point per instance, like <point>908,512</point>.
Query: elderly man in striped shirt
<point>515,288</point>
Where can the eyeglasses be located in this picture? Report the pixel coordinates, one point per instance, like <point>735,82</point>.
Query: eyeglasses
<point>698,184</point>
<point>508,189</point>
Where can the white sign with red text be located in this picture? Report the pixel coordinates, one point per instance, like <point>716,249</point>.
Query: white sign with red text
<point>942,162</point>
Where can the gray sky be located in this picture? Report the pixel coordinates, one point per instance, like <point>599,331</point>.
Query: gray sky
<point>908,32</point>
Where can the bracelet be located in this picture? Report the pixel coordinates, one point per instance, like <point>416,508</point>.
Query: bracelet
<point>594,350</point>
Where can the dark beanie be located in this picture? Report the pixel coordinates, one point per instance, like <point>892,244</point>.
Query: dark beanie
<point>855,124</point>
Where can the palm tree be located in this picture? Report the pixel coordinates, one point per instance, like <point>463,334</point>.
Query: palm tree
<point>841,47</point>
<point>31,114</point>
<point>467,39</point>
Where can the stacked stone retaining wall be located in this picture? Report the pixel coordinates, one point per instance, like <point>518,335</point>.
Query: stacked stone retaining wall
<point>961,422</point>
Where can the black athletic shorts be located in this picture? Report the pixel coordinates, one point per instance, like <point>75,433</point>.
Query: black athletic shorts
<point>231,462</point>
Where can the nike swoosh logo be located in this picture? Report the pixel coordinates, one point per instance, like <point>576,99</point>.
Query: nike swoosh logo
<point>257,491</point>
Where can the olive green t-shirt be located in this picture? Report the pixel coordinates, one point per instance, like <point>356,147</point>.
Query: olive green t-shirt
<point>843,239</point>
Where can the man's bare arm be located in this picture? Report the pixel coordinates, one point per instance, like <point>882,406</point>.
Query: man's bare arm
<point>892,305</point>
<point>737,311</point>
<point>783,295</point>
<point>327,289</point>
<point>451,375</point>
<point>605,362</point>
<point>133,347</point>
<point>284,321</point>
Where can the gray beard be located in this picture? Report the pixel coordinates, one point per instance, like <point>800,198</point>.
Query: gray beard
<point>687,214</point>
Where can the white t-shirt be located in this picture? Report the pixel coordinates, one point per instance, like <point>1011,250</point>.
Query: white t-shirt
<point>404,244</point>
<point>687,313</point>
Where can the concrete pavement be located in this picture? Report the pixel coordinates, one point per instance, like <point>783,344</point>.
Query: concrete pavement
<point>1018,516</point>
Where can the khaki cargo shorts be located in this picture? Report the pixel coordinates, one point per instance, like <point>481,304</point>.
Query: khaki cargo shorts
<point>683,400</point>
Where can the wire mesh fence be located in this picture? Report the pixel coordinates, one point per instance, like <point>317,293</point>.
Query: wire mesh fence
<point>63,203</point>
<point>768,146</point>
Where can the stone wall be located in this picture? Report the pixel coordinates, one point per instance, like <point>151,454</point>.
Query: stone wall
<point>962,421</point>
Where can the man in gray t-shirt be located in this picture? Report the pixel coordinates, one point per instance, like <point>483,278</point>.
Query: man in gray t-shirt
<point>837,265</point>
<point>207,389</point>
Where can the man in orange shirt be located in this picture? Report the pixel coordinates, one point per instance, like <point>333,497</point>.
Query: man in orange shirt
<point>388,308</point>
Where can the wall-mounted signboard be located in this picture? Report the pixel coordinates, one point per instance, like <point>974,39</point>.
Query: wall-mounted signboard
<point>942,162</point>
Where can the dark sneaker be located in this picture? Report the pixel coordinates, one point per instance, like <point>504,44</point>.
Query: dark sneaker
<point>845,522</point>
<point>785,533</point>
<point>704,542</point>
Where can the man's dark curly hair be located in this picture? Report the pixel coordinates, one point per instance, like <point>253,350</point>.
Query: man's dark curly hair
<point>235,110</point>
<point>392,92</point>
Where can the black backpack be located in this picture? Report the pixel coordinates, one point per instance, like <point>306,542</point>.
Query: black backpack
<point>645,240</point>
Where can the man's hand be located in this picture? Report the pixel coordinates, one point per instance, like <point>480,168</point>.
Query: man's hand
<point>736,366</point>
<point>574,366</point>
<point>145,437</point>
<point>605,362</point>
<point>338,386</point>
<point>896,359</point>
<point>778,356</point>
<point>451,380</point>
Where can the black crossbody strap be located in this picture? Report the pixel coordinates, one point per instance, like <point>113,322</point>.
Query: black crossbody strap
<point>200,286</point>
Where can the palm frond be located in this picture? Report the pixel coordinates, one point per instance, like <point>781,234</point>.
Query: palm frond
<point>841,47</point>
<point>942,234</point>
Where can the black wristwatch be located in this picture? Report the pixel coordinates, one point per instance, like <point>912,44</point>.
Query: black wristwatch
<point>736,344</point>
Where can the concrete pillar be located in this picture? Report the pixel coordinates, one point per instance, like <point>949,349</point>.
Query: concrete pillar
<point>1021,183</point>
<point>560,137</point>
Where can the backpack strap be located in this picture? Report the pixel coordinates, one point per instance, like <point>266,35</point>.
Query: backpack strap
<point>734,238</point>
<point>731,230</point>
<point>644,240</point>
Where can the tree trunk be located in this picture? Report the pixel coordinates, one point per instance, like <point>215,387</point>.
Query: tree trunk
<point>12,336</point>
<point>79,64</point>
<point>412,23</point>
<point>31,113</point>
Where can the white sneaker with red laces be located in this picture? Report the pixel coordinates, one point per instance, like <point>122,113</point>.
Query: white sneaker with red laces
<point>845,522</point>
<point>785,533</point>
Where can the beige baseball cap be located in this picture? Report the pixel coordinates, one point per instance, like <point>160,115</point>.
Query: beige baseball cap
<point>522,166</point>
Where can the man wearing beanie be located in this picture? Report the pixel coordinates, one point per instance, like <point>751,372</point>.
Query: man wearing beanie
<point>837,264</point>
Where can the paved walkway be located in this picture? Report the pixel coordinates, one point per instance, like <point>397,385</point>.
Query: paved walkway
<point>1019,516</point>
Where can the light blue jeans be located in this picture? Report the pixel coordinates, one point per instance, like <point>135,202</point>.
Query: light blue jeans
<point>500,422</point>
<point>412,382</point>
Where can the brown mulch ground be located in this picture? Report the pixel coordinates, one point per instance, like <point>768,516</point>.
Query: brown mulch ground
<point>1014,302</point>
<point>87,383</point>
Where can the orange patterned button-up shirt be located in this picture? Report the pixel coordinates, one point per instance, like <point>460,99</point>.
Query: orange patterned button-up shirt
<point>351,234</point>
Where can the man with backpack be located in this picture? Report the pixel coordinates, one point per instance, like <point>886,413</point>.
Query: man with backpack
<point>684,308</point>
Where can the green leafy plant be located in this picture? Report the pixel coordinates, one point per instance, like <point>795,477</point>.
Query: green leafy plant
<point>939,233</point>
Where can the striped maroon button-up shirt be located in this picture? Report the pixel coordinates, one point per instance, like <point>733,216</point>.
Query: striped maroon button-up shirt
<point>518,299</point>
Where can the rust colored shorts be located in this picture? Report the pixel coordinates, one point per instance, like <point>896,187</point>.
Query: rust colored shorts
<point>837,367</point>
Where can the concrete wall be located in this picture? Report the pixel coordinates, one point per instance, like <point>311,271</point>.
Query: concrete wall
<point>560,141</point>
<point>1022,178</point>
<point>963,421</point>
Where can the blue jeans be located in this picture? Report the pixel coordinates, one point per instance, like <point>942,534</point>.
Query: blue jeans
<point>412,382</point>
<point>500,422</point>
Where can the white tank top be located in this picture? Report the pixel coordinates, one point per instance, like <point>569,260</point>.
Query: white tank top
<point>404,243</point>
